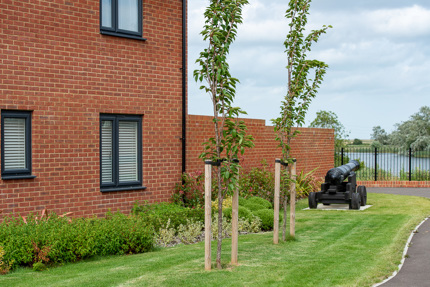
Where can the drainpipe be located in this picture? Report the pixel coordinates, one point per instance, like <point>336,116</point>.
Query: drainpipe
<point>184,84</point>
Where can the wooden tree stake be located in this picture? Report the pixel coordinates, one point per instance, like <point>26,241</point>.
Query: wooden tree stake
<point>234,225</point>
<point>292,171</point>
<point>276,201</point>
<point>208,214</point>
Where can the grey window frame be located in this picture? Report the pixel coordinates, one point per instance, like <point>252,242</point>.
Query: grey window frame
<point>114,30</point>
<point>26,172</point>
<point>116,185</point>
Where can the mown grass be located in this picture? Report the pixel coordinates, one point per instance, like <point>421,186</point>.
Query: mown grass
<point>332,248</point>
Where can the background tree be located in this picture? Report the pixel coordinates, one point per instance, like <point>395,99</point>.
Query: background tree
<point>302,87</point>
<point>380,135</point>
<point>230,139</point>
<point>357,142</point>
<point>329,120</point>
<point>414,133</point>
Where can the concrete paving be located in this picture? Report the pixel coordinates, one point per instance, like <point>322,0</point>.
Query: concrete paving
<point>415,271</point>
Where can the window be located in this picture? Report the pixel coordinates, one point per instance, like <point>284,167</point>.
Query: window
<point>121,18</point>
<point>120,152</point>
<point>16,145</point>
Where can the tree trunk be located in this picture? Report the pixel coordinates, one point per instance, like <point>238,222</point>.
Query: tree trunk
<point>284,221</point>
<point>218,252</point>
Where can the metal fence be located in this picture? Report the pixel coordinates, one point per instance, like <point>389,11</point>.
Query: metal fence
<point>387,163</point>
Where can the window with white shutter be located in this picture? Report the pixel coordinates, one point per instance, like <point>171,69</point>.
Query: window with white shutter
<point>120,152</point>
<point>16,144</point>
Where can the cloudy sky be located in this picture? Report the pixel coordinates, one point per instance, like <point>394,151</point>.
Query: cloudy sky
<point>378,54</point>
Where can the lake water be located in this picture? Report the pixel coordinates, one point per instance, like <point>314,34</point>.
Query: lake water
<point>391,161</point>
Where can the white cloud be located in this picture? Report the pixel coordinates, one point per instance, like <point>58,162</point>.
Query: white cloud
<point>401,22</point>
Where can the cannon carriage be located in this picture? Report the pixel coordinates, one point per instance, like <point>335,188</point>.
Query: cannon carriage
<point>335,190</point>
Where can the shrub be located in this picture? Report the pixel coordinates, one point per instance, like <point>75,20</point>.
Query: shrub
<point>243,212</point>
<point>267,217</point>
<point>242,201</point>
<point>257,181</point>
<point>260,201</point>
<point>226,227</point>
<point>190,192</point>
<point>158,214</point>
<point>254,206</point>
<point>188,233</point>
<point>4,266</point>
<point>165,235</point>
<point>226,203</point>
<point>56,240</point>
<point>306,183</point>
<point>252,226</point>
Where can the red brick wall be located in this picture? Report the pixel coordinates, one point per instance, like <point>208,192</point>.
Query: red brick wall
<point>409,184</point>
<point>313,148</point>
<point>55,63</point>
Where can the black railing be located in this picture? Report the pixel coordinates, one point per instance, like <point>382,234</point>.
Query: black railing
<point>387,163</point>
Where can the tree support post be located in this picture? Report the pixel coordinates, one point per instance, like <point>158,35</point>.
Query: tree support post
<point>292,170</point>
<point>276,201</point>
<point>235,225</point>
<point>208,214</point>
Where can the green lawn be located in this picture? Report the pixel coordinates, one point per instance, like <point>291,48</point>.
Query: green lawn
<point>332,248</point>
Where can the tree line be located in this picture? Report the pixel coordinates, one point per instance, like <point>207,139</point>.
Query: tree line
<point>413,133</point>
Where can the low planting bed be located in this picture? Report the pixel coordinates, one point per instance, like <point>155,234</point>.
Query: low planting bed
<point>332,248</point>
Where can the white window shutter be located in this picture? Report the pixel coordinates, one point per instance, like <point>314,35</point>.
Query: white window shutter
<point>14,143</point>
<point>107,152</point>
<point>128,165</point>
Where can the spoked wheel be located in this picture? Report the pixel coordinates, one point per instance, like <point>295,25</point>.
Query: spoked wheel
<point>312,199</point>
<point>355,201</point>
<point>363,194</point>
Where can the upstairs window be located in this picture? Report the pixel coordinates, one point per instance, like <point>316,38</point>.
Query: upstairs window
<point>120,152</point>
<point>15,145</point>
<point>121,18</point>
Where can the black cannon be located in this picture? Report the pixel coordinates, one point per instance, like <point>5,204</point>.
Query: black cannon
<point>335,190</point>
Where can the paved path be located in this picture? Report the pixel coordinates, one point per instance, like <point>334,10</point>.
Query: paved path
<point>416,268</point>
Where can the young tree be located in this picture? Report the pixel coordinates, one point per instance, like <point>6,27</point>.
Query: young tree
<point>329,120</point>
<point>230,139</point>
<point>302,87</point>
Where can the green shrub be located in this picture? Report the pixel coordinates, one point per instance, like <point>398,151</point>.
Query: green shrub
<point>56,239</point>
<point>243,213</point>
<point>257,181</point>
<point>4,266</point>
<point>258,200</point>
<point>158,214</point>
<point>252,206</point>
<point>267,217</point>
<point>242,201</point>
<point>190,192</point>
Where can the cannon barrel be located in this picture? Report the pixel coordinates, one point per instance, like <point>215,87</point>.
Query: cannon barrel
<point>338,174</point>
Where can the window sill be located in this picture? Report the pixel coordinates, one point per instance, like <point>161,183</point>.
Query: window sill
<point>129,188</point>
<point>122,35</point>
<point>10,177</point>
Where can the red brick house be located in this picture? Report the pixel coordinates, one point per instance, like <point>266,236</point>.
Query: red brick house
<point>92,99</point>
<point>93,107</point>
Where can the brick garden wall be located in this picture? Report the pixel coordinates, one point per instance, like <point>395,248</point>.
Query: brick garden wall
<point>55,63</point>
<point>313,148</point>
<point>410,184</point>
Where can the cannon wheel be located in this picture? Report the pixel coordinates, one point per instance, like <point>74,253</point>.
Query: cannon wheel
<point>363,194</point>
<point>355,201</point>
<point>312,199</point>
